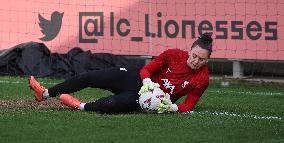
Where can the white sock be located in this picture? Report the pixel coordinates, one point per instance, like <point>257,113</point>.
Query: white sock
<point>82,106</point>
<point>45,93</point>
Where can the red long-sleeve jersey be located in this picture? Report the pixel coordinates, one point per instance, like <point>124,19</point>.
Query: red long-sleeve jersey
<point>171,72</point>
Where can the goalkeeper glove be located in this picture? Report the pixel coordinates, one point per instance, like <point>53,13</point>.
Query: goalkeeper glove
<point>147,86</point>
<point>167,108</point>
<point>167,105</point>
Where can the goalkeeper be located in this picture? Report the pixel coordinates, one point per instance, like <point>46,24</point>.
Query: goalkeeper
<point>178,73</point>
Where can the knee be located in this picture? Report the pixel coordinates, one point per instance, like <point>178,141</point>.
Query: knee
<point>103,105</point>
<point>85,78</point>
<point>108,104</point>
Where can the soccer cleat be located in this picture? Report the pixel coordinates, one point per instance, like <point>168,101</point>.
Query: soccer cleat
<point>69,101</point>
<point>37,88</point>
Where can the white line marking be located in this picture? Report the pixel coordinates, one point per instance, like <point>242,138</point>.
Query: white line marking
<point>244,92</point>
<point>21,82</point>
<point>231,114</point>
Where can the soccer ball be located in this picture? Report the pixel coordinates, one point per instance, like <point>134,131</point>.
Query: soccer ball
<point>150,101</point>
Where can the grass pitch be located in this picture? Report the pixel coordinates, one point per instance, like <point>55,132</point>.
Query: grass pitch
<point>240,112</point>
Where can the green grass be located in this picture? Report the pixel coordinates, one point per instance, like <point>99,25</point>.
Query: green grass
<point>237,113</point>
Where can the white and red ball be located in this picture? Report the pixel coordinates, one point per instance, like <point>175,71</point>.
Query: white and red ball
<point>150,101</point>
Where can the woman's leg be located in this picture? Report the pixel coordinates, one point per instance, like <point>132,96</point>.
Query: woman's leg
<point>118,103</point>
<point>116,80</point>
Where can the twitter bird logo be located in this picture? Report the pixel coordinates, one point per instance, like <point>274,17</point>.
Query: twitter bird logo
<point>51,28</point>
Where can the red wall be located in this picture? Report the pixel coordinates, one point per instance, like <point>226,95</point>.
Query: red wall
<point>243,29</point>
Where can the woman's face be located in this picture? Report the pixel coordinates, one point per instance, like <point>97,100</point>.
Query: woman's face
<point>198,57</point>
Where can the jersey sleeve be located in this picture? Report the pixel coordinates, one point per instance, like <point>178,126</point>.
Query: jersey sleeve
<point>191,99</point>
<point>156,65</point>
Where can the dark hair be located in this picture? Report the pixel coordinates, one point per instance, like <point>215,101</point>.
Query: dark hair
<point>204,42</point>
